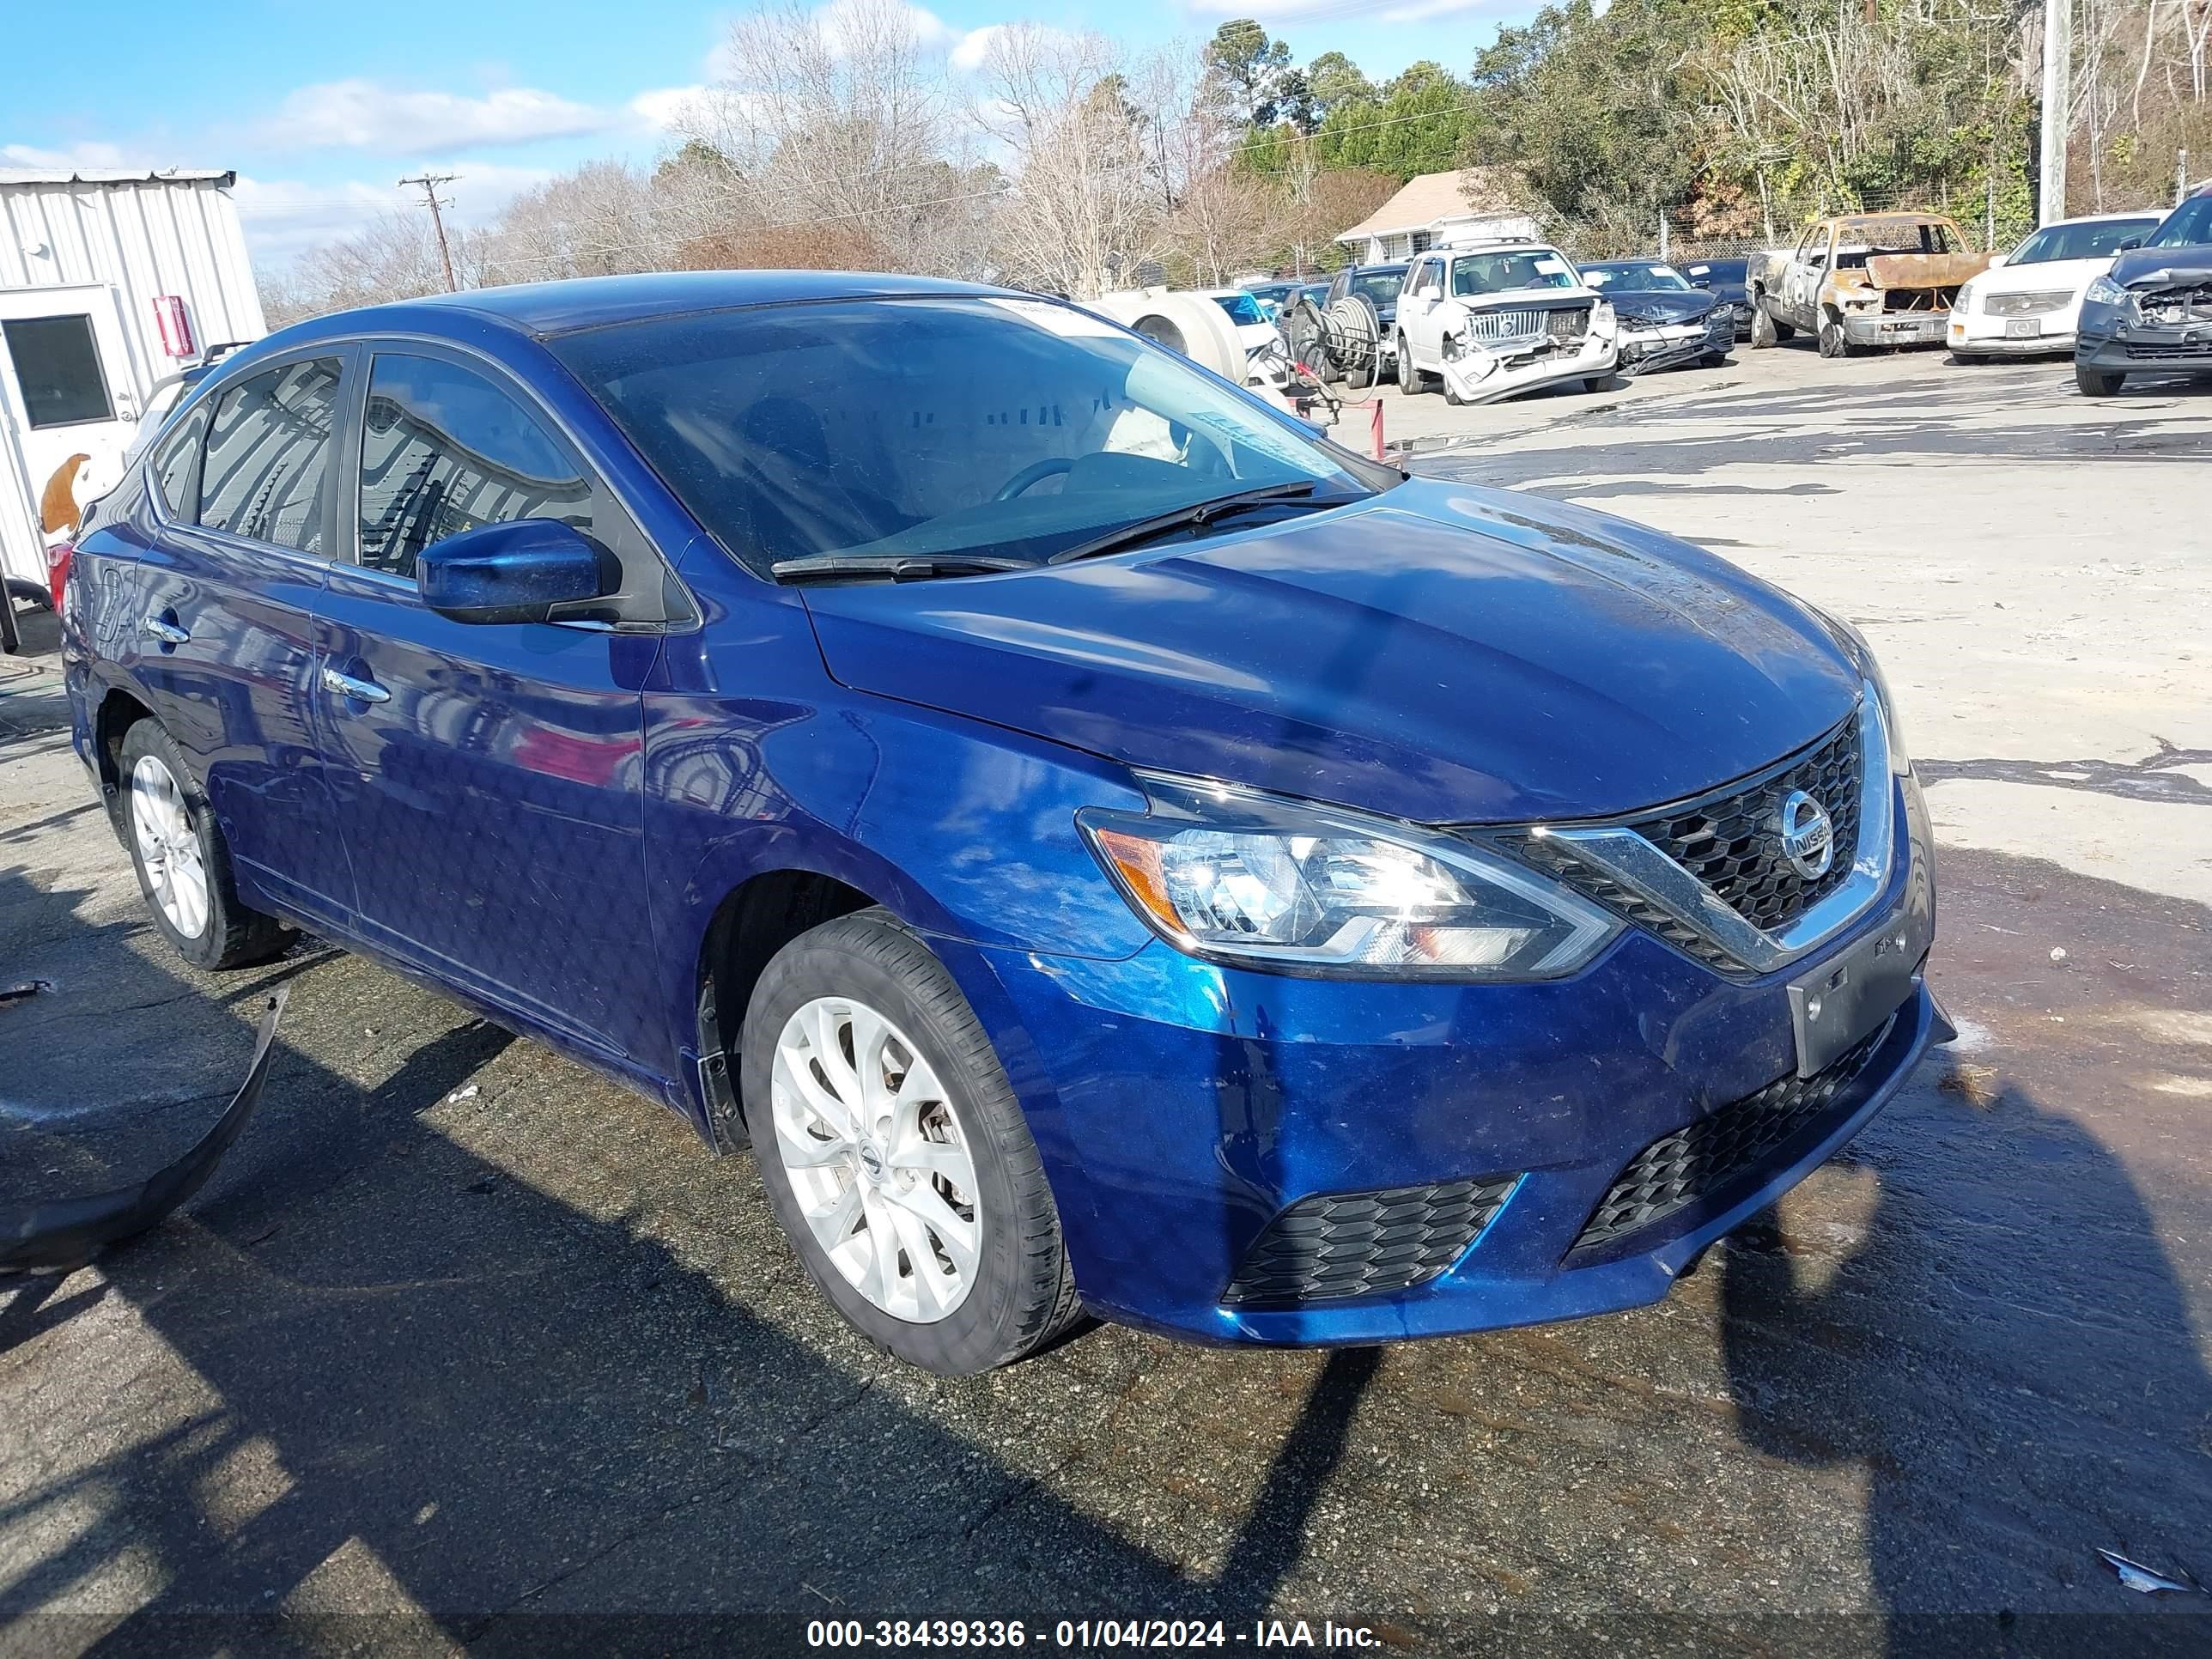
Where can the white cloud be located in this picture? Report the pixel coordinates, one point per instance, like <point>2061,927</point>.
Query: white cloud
<point>666,109</point>
<point>973,47</point>
<point>94,157</point>
<point>362,114</point>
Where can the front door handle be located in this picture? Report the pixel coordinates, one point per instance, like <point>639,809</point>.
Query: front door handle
<point>360,690</point>
<point>154,628</point>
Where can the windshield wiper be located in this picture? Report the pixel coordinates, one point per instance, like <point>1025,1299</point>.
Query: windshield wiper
<point>895,566</point>
<point>1203,513</point>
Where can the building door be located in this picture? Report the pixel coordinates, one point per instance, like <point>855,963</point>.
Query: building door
<point>66,389</point>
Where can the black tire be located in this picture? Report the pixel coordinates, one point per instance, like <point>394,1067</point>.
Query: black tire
<point>1600,382</point>
<point>234,935</point>
<point>1713,359</point>
<point>1966,358</point>
<point>1764,329</point>
<point>1411,381</point>
<point>2099,382</point>
<point>1834,343</point>
<point>1360,374</point>
<point>1024,1293</point>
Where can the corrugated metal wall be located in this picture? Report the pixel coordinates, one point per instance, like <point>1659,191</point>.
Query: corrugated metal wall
<point>142,237</point>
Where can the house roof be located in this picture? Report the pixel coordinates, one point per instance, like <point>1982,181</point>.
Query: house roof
<point>115,176</point>
<point>1424,199</point>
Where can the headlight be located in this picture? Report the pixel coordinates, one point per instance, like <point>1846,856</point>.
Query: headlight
<point>1601,315</point>
<point>1855,646</point>
<point>2106,292</point>
<point>1964,303</point>
<point>1258,880</point>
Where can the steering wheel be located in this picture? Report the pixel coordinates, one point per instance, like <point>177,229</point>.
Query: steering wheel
<point>1053,466</point>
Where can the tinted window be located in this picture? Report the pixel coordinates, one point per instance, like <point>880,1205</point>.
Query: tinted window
<point>1380,286</point>
<point>1017,427</point>
<point>171,470</point>
<point>268,461</point>
<point>2190,225</point>
<point>445,450</point>
<point>2098,240</point>
<point>57,366</point>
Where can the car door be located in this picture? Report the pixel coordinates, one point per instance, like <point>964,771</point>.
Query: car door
<point>242,512</point>
<point>1800,289</point>
<point>1418,305</point>
<point>487,775</point>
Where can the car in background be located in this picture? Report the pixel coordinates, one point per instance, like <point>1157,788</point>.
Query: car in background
<point>1665,321</point>
<point>1264,355</point>
<point>1493,317</point>
<point>1863,280</point>
<point>2028,302</point>
<point>1724,280</point>
<point>1272,295</point>
<point>2152,312</point>
<point>1378,288</point>
<point>1137,857</point>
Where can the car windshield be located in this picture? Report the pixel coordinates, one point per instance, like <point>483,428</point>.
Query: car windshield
<point>1636,279</point>
<point>1498,273</point>
<point>2096,238</point>
<point>1380,286</point>
<point>1241,307</point>
<point>2189,225</point>
<point>1718,270</point>
<point>931,425</point>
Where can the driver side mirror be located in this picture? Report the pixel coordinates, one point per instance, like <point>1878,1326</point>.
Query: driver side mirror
<point>1998,259</point>
<point>2130,243</point>
<point>527,570</point>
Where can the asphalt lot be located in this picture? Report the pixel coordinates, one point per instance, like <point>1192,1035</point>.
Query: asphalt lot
<point>464,1346</point>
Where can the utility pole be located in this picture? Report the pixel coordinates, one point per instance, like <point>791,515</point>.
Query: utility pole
<point>2058,106</point>
<point>2181,177</point>
<point>430,181</point>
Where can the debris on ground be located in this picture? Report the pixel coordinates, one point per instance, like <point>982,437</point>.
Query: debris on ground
<point>2137,1577</point>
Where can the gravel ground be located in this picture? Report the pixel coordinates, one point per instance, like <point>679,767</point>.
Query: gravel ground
<point>463,1347</point>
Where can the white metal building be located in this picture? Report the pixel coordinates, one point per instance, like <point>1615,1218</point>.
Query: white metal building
<point>110,282</point>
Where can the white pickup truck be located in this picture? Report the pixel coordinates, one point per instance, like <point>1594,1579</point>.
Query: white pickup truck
<point>1497,317</point>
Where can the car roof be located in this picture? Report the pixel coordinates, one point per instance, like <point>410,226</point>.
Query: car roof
<point>1369,271</point>
<point>545,309</point>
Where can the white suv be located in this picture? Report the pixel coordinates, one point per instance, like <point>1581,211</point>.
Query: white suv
<point>1499,317</point>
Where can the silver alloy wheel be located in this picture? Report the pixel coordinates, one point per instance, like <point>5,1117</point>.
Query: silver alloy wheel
<point>168,847</point>
<point>877,1157</point>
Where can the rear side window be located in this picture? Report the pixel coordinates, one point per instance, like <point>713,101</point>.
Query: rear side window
<point>267,467</point>
<point>171,469</point>
<point>444,450</point>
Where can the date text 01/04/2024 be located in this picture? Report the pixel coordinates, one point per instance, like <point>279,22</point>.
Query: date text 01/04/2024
<point>1085,1634</point>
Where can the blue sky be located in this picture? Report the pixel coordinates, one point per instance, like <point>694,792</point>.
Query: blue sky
<point>321,107</point>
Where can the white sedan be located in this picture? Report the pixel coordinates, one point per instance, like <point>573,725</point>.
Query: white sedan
<point>2027,303</point>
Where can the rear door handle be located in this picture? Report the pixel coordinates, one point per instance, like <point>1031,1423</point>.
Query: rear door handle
<point>360,690</point>
<point>154,628</point>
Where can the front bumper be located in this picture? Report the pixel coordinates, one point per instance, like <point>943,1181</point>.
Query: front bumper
<point>1669,345</point>
<point>1484,375</point>
<point>1978,336</point>
<point>2144,349</point>
<point>1900,328</point>
<point>1181,1107</point>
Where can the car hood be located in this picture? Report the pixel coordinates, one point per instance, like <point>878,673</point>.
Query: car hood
<point>2161,267</point>
<point>2046,275</point>
<point>1661,306</point>
<point>1439,653</point>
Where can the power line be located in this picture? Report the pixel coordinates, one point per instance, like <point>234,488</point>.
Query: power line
<point>430,181</point>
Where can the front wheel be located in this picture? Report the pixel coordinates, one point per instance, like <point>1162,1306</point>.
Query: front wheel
<point>1763,334</point>
<point>2098,382</point>
<point>183,861</point>
<point>1965,359</point>
<point>1834,343</point>
<point>895,1154</point>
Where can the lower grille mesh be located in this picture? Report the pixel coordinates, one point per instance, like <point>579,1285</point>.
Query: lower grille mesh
<point>1705,1158</point>
<point>1340,1244</point>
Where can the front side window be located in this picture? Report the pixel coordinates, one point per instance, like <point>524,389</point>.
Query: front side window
<point>171,470</point>
<point>2189,225</point>
<point>1519,268</point>
<point>931,426</point>
<point>266,471</point>
<point>445,450</point>
<point>57,366</point>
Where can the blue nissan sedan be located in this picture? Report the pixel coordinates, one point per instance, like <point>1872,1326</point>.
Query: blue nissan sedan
<point>1100,845</point>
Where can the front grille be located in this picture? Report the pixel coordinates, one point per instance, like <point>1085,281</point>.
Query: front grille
<point>1548,855</point>
<point>1731,840</point>
<point>2177,307</point>
<point>2026,305</point>
<point>1339,1245</point>
<point>1519,323</point>
<point>1725,1150</point>
<point>2172,349</point>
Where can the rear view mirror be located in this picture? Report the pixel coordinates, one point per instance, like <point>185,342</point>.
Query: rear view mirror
<point>527,570</point>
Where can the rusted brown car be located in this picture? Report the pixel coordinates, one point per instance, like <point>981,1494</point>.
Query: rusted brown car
<point>1866,279</point>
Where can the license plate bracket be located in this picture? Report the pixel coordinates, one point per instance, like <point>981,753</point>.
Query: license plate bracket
<point>2024,328</point>
<point>1850,995</point>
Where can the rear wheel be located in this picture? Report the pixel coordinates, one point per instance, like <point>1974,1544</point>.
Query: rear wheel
<point>183,861</point>
<point>895,1154</point>
<point>2098,382</point>
<point>1409,378</point>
